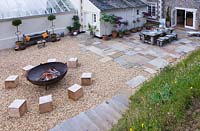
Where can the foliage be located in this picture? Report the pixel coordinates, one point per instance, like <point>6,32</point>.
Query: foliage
<point>51,17</point>
<point>70,28</point>
<point>160,104</point>
<point>16,22</point>
<point>168,15</point>
<point>92,29</point>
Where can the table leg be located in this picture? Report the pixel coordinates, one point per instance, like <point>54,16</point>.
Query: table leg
<point>152,40</point>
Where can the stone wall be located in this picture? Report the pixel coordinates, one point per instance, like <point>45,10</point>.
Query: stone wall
<point>193,4</point>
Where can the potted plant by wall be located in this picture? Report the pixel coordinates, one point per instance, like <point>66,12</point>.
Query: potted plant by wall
<point>92,29</point>
<point>106,19</point>
<point>53,35</point>
<point>76,25</point>
<point>70,29</point>
<point>121,34</point>
<point>16,23</point>
<point>168,18</point>
<point>134,30</point>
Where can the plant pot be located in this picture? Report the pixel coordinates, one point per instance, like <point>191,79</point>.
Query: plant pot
<point>134,30</point>
<point>105,37</point>
<point>53,38</point>
<point>168,24</point>
<point>17,45</point>
<point>22,47</point>
<point>114,34</point>
<point>127,33</point>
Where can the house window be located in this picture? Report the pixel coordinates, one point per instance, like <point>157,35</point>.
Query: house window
<point>138,12</point>
<point>94,18</point>
<point>152,9</point>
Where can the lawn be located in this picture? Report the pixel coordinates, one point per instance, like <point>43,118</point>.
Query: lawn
<point>161,103</point>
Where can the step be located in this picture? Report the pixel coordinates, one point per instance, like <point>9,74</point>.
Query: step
<point>117,106</point>
<point>122,99</point>
<point>98,120</point>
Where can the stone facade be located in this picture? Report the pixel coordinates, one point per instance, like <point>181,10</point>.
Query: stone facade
<point>172,4</point>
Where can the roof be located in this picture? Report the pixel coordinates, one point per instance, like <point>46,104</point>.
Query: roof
<point>23,8</point>
<point>117,4</point>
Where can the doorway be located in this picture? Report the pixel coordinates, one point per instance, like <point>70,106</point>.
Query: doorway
<point>181,18</point>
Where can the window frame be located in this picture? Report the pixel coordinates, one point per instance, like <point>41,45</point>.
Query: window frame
<point>153,6</point>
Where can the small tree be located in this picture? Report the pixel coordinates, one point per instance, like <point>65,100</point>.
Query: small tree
<point>52,18</point>
<point>16,23</point>
<point>106,19</point>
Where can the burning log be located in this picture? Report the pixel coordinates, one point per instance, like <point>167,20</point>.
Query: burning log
<point>51,73</point>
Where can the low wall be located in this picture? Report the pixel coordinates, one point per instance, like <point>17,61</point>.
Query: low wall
<point>32,25</point>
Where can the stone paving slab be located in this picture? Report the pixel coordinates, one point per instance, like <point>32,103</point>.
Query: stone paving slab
<point>159,63</point>
<point>106,59</point>
<point>136,81</point>
<point>185,49</point>
<point>96,50</point>
<point>151,71</point>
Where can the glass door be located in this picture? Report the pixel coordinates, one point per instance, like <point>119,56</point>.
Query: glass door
<point>190,16</point>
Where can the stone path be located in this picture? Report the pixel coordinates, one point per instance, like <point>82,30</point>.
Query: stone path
<point>99,118</point>
<point>128,52</point>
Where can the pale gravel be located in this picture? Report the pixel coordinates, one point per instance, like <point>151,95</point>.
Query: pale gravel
<point>109,79</point>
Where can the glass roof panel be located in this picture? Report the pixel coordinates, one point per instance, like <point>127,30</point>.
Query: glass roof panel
<point>23,8</point>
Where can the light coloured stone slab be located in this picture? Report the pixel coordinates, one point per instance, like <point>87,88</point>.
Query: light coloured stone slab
<point>86,75</point>
<point>74,88</point>
<point>45,99</point>
<point>151,71</point>
<point>159,63</point>
<point>136,81</point>
<point>28,68</point>
<point>105,59</point>
<point>12,78</point>
<point>185,49</point>
<point>51,60</point>
<point>96,50</point>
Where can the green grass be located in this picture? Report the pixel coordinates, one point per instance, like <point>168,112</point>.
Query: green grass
<point>161,103</point>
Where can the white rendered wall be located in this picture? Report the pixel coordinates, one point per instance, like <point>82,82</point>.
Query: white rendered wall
<point>127,15</point>
<point>32,25</point>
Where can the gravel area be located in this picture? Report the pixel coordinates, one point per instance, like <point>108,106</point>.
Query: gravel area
<point>109,79</point>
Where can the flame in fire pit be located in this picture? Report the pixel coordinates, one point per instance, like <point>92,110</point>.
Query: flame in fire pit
<point>51,73</point>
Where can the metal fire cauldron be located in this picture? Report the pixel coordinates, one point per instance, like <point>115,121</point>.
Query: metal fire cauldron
<point>35,74</point>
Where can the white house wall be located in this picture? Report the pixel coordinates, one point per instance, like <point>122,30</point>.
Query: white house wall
<point>32,25</point>
<point>129,15</point>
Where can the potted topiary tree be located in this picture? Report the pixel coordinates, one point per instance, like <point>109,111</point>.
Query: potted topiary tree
<point>106,19</point>
<point>53,35</point>
<point>16,23</point>
<point>76,25</point>
<point>92,29</point>
<point>168,18</point>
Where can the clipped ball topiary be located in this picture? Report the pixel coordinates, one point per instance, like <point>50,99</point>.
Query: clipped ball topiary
<point>51,17</point>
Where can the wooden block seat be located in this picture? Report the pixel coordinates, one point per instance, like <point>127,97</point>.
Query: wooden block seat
<point>51,60</point>
<point>17,108</point>
<point>72,62</point>
<point>45,104</point>
<point>86,79</point>
<point>12,81</point>
<point>26,69</point>
<point>75,92</point>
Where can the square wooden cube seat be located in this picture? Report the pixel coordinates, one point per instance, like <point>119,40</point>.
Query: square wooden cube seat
<point>75,92</point>
<point>17,108</point>
<point>12,81</point>
<point>51,60</point>
<point>26,69</point>
<point>45,104</point>
<point>86,79</point>
<point>72,62</point>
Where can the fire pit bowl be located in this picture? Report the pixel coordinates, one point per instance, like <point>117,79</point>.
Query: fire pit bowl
<point>34,75</point>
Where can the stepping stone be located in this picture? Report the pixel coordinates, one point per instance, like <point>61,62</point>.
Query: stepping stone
<point>51,60</point>
<point>12,81</point>
<point>101,123</point>
<point>96,50</point>
<point>121,61</point>
<point>151,71</point>
<point>184,49</point>
<point>75,92</point>
<point>17,108</point>
<point>159,63</point>
<point>121,108</point>
<point>105,59</point>
<point>86,79</point>
<point>135,82</point>
<point>26,69</point>
<point>45,104</point>
<point>122,99</point>
<point>131,53</point>
<point>72,62</point>
<point>85,123</point>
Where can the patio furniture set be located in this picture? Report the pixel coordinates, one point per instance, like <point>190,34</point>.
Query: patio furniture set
<point>158,36</point>
<point>19,106</point>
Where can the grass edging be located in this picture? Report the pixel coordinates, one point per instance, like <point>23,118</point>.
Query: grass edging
<point>160,103</point>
